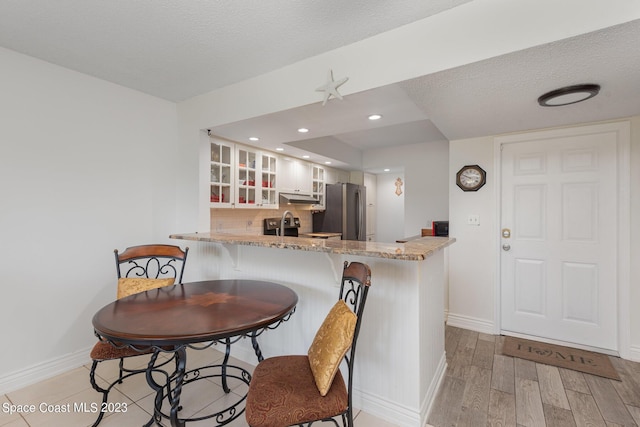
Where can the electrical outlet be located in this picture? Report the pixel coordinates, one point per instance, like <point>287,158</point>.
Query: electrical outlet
<point>473,220</point>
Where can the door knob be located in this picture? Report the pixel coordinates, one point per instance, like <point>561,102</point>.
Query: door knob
<point>506,247</point>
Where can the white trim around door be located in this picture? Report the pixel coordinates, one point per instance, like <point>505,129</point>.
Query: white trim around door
<point>622,130</point>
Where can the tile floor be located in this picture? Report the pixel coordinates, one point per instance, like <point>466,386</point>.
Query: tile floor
<point>72,389</point>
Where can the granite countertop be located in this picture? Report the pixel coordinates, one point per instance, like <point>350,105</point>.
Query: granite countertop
<point>408,239</point>
<point>321,234</point>
<point>415,250</point>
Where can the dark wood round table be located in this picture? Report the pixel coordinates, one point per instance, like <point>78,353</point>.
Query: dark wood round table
<point>173,318</point>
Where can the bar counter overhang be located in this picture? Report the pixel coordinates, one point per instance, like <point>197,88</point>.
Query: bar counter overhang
<point>400,359</point>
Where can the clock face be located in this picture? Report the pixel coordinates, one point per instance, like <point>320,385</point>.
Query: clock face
<point>471,178</point>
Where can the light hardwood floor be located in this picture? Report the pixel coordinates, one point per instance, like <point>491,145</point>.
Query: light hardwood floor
<point>73,387</point>
<point>482,387</point>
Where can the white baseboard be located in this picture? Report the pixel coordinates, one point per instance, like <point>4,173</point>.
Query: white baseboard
<point>44,370</point>
<point>634,353</point>
<point>397,414</point>
<point>384,409</point>
<point>471,323</point>
<point>438,378</point>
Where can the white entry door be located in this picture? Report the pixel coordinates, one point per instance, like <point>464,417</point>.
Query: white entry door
<point>559,237</point>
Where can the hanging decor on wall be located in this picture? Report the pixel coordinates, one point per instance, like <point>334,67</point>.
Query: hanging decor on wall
<point>330,88</point>
<point>399,184</point>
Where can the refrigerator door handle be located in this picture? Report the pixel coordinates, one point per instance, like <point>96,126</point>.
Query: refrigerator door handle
<point>360,215</point>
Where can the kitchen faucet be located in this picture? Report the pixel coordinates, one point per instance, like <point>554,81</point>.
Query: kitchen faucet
<point>284,216</point>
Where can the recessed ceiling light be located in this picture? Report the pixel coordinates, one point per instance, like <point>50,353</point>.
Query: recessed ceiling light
<point>254,138</point>
<point>375,117</point>
<point>327,163</point>
<point>387,170</point>
<point>568,95</point>
<point>303,130</point>
<point>305,156</point>
<point>279,149</point>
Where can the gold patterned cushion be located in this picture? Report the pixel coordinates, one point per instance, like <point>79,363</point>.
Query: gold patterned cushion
<point>133,285</point>
<point>331,343</point>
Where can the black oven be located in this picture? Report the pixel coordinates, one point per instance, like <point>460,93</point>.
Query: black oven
<point>272,226</point>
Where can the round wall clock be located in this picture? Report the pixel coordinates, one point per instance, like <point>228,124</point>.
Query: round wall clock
<point>471,178</point>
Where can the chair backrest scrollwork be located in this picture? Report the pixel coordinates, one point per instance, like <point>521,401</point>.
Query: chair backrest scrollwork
<point>151,261</point>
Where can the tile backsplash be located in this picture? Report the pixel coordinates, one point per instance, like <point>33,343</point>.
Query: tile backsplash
<point>249,221</point>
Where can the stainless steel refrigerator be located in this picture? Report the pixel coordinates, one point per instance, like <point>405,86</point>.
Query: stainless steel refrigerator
<point>345,212</point>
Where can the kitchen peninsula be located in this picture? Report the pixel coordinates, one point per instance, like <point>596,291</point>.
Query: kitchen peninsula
<point>400,359</point>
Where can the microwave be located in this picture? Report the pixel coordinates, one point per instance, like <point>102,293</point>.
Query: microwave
<point>440,228</point>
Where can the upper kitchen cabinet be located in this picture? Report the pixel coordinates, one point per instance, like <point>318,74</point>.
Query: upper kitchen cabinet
<point>295,176</point>
<point>318,185</point>
<point>333,176</point>
<point>222,173</point>
<point>256,178</point>
<point>268,181</point>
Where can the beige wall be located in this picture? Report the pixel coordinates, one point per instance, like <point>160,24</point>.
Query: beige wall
<point>86,167</point>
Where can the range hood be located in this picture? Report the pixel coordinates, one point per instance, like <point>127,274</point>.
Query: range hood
<point>298,199</point>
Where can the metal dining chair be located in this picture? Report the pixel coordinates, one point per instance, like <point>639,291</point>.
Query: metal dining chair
<point>140,269</point>
<point>302,389</point>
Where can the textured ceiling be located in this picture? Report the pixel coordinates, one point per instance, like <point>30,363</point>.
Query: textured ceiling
<point>490,97</point>
<point>177,49</point>
<point>500,95</point>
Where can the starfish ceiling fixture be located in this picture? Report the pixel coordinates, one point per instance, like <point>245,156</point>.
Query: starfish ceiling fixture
<point>331,87</point>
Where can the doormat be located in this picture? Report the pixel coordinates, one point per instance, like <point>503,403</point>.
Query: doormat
<point>563,357</point>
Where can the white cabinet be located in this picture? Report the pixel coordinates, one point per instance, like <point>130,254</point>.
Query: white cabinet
<point>242,176</point>
<point>256,178</point>
<point>269,181</point>
<point>222,174</point>
<point>334,176</point>
<point>295,176</point>
<point>318,185</point>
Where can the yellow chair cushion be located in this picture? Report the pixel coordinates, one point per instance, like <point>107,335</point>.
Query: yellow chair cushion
<point>331,343</point>
<point>133,285</point>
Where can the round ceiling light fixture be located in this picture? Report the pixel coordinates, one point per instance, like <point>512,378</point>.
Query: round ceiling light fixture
<point>569,95</point>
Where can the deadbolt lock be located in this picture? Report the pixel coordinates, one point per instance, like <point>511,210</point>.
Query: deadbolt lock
<point>506,233</point>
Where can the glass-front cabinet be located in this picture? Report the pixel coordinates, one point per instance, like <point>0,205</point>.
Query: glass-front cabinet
<point>242,176</point>
<point>246,176</point>
<point>268,181</point>
<point>221,175</point>
<point>256,176</point>
<point>318,181</point>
